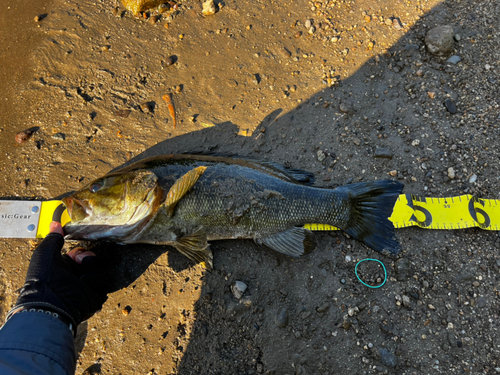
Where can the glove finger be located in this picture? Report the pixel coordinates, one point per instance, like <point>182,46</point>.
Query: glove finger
<point>42,260</point>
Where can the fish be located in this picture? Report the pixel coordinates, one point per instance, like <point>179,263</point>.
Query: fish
<point>186,201</point>
<point>168,99</point>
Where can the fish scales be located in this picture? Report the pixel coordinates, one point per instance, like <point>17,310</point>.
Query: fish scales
<point>229,200</point>
<point>187,200</point>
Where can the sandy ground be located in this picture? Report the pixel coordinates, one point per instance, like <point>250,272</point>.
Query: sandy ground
<point>312,85</point>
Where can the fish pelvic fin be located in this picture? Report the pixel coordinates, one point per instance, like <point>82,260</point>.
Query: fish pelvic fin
<point>294,242</point>
<point>195,247</point>
<point>372,204</point>
<point>181,187</point>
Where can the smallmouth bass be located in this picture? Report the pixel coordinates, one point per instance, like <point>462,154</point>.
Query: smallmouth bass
<point>187,200</point>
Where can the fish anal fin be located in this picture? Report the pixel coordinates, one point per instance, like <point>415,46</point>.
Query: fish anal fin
<point>294,242</point>
<point>195,247</point>
<point>181,187</point>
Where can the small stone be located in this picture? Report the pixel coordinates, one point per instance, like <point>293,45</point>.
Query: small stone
<point>209,8</point>
<point>451,173</point>
<point>463,278</point>
<point>450,106</point>
<point>481,302</point>
<point>454,60</point>
<point>346,108</point>
<point>126,310</point>
<point>153,19</point>
<point>356,141</point>
<point>311,30</point>
<point>415,142</point>
<point>321,155</point>
<point>431,306</point>
<point>381,152</point>
<point>419,73</point>
<point>238,288</point>
<point>282,318</point>
<point>387,358</point>
<point>403,269</point>
<point>23,136</point>
<point>308,24</point>
<point>146,107</point>
<point>431,94</point>
<point>396,23</point>
<point>406,301</point>
<point>473,178</point>
<point>324,307</point>
<point>232,83</point>
<point>393,173</point>
<point>439,40</point>
<point>59,136</point>
<point>285,53</point>
<point>388,21</point>
<point>368,18</point>
<point>346,325</point>
<point>170,61</point>
<point>475,283</point>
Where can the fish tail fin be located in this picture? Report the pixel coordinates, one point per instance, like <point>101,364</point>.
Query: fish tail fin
<point>372,204</point>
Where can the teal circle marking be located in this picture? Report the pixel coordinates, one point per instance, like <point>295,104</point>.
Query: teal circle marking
<point>362,282</point>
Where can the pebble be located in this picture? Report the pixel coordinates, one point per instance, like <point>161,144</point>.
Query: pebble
<point>481,302</point>
<point>402,267</point>
<point>451,173</point>
<point>232,83</point>
<point>238,288</point>
<point>312,30</point>
<point>406,301</point>
<point>473,178</point>
<point>308,24</point>
<point>321,155</point>
<point>439,40</point>
<point>282,318</point>
<point>381,152</point>
<point>324,307</point>
<point>455,59</point>
<point>23,136</point>
<point>450,106</point>
<point>357,141</point>
<point>146,107</point>
<point>388,22</point>
<point>419,73</point>
<point>463,278</point>
<point>475,283</point>
<point>346,108</point>
<point>170,61</point>
<point>209,8</point>
<point>59,136</point>
<point>387,358</point>
<point>396,23</point>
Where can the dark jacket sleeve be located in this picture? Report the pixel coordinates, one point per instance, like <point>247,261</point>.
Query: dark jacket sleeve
<point>36,343</point>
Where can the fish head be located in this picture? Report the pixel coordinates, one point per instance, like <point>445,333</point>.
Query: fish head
<point>119,202</point>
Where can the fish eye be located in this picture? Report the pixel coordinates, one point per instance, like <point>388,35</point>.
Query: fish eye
<point>95,187</point>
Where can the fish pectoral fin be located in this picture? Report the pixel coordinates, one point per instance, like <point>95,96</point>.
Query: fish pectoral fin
<point>294,242</point>
<point>181,187</point>
<point>195,247</point>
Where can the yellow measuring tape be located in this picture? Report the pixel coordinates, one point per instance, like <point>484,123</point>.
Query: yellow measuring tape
<point>464,211</point>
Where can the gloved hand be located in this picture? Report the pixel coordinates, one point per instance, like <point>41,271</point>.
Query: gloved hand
<point>72,285</point>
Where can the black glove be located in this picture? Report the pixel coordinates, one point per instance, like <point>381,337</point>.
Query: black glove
<point>56,283</point>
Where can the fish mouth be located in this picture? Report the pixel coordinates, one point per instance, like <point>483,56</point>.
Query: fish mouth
<point>77,209</point>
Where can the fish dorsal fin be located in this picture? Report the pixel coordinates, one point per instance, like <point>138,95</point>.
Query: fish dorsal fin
<point>195,247</point>
<point>181,187</point>
<point>294,242</point>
